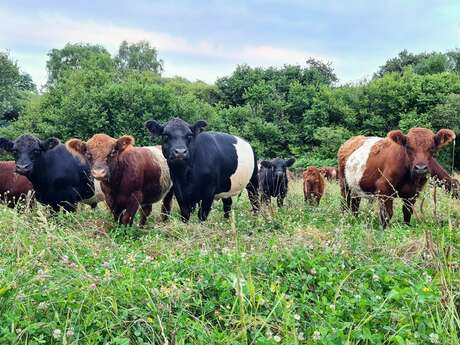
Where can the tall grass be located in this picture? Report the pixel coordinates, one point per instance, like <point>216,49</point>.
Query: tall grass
<point>301,275</point>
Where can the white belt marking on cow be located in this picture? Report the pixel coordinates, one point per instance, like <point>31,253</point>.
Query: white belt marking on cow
<point>356,165</point>
<point>244,170</point>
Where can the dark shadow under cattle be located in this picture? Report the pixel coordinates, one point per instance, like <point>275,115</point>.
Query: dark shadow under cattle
<point>60,179</point>
<point>273,180</point>
<point>205,166</point>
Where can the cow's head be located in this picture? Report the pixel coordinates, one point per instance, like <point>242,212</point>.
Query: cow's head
<point>177,136</point>
<point>102,152</point>
<point>420,145</point>
<point>26,150</point>
<point>278,166</point>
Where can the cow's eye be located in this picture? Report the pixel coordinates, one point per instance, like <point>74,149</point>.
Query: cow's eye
<point>36,152</point>
<point>189,137</point>
<point>89,156</point>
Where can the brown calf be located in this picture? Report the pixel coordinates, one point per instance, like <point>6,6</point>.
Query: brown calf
<point>395,166</point>
<point>313,185</point>
<point>330,173</point>
<point>13,187</point>
<point>131,177</point>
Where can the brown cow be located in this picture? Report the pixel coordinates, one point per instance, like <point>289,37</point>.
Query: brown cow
<point>13,187</point>
<point>313,185</point>
<point>395,166</point>
<point>131,177</point>
<point>330,173</point>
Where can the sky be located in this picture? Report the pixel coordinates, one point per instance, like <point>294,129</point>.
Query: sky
<point>205,40</point>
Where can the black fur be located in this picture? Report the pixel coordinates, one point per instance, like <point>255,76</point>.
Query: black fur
<point>59,178</point>
<point>201,164</point>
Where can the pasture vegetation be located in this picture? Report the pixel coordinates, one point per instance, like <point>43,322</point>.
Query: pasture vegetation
<point>298,275</point>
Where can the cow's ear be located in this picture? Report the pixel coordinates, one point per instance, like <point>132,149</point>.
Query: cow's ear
<point>289,162</point>
<point>76,145</point>
<point>443,137</point>
<point>154,128</point>
<point>123,142</point>
<point>199,127</point>
<point>6,144</point>
<point>49,143</point>
<point>398,137</point>
<point>266,164</point>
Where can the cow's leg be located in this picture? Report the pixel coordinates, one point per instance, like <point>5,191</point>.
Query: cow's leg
<point>408,209</point>
<point>280,200</point>
<point>386,210</point>
<point>205,208</point>
<point>253,189</point>
<point>185,213</point>
<point>145,212</point>
<point>167,205</point>
<point>265,199</point>
<point>227,207</point>
<point>133,203</point>
<point>355,202</point>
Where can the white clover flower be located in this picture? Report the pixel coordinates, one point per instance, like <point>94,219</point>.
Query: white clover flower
<point>70,333</point>
<point>42,306</point>
<point>434,338</point>
<point>301,336</point>
<point>106,264</point>
<point>332,306</point>
<point>65,259</point>
<point>277,338</point>
<point>316,336</point>
<point>313,271</point>
<point>296,317</point>
<point>57,333</point>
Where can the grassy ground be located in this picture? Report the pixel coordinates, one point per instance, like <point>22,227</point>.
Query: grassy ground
<point>300,275</point>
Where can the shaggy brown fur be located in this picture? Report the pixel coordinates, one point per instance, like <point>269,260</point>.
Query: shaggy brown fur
<point>131,177</point>
<point>330,173</point>
<point>13,187</point>
<point>396,167</point>
<point>313,185</point>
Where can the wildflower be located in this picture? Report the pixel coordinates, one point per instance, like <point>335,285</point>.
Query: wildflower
<point>93,286</point>
<point>296,317</point>
<point>65,259</point>
<point>332,306</point>
<point>434,338</point>
<point>312,271</point>
<point>277,338</point>
<point>358,296</point>
<point>57,333</point>
<point>106,264</point>
<point>426,289</point>
<point>18,330</point>
<point>42,306</point>
<point>72,265</point>
<point>148,258</point>
<point>375,278</point>
<point>269,333</point>
<point>316,336</point>
<point>301,336</point>
<point>69,333</point>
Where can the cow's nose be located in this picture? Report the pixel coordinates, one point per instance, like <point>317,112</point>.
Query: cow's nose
<point>421,168</point>
<point>99,173</point>
<point>182,152</point>
<point>23,168</point>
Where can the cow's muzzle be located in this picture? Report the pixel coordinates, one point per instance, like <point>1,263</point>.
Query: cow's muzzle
<point>24,169</point>
<point>100,174</point>
<point>421,169</point>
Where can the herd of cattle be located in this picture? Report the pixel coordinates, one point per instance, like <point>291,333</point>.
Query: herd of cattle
<point>197,167</point>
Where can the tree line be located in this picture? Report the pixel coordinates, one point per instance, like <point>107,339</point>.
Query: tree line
<point>294,110</point>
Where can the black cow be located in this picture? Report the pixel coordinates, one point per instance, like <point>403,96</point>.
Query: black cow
<point>59,178</point>
<point>273,181</point>
<point>206,165</point>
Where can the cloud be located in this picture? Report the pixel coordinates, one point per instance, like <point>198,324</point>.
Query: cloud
<point>48,30</point>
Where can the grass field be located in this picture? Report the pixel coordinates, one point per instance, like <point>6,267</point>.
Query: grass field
<point>308,275</point>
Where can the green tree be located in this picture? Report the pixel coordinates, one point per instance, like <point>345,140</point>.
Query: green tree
<point>140,56</point>
<point>70,57</point>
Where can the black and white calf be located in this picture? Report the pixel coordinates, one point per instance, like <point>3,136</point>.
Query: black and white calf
<point>273,180</point>
<point>205,166</point>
